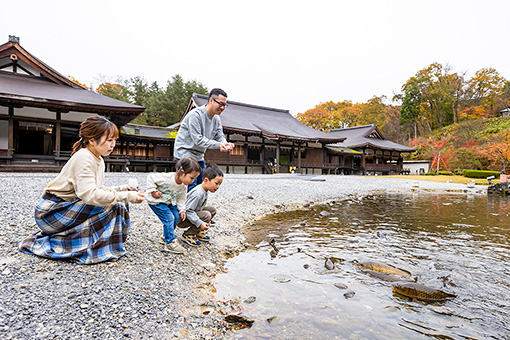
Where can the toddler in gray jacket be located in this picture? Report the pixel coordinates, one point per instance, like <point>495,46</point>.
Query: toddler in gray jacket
<point>198,213</point>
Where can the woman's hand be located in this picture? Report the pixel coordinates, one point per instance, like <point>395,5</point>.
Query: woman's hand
<point>139,197</point>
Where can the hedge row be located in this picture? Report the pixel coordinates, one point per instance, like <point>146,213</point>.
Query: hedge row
<point>479,173</point>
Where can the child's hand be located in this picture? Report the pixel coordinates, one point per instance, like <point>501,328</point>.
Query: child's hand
<point>183,215</point>
<point>204,226</point>
<point>133,189</point>
<point>139,198</point>
<point>156,194</point>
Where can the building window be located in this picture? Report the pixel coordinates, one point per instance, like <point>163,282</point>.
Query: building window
<point>238,150</point>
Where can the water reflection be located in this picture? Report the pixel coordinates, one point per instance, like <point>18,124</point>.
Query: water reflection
<point>456,243</point>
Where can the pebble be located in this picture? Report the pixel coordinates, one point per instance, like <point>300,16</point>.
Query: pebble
<point>154,290</point>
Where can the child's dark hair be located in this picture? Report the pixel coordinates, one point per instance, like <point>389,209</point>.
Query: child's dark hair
<point>212,171</point>
<point>93,128</point>
<point>186,165</point>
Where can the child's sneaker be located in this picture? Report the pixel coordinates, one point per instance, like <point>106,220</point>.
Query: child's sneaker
<point>190,240</point>
<point>201,236</point>
<point>174,247</point>
<point>162,240</point>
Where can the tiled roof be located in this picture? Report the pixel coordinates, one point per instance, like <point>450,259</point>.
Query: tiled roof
<point>358,136</point>
<point>267,122</point>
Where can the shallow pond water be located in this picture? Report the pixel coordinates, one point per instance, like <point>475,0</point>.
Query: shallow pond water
<point>457,243</point>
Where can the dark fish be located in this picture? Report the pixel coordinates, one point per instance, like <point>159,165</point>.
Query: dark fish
<point>383,268</point>
<point>384,276</point>
<point>421,292</point>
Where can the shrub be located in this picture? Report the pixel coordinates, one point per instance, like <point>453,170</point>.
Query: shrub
<point>479,173</point>
<point>430,174</point>
<point>446,173</point>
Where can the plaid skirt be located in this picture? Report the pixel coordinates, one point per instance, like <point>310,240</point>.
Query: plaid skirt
<point>79,232</point>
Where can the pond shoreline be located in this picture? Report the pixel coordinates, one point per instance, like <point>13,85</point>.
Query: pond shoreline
<point>149,293</point>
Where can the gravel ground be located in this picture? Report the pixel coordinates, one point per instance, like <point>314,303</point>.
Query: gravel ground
<point>148,294</point>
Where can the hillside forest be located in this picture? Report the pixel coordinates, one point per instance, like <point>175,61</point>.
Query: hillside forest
<point>451,119</point>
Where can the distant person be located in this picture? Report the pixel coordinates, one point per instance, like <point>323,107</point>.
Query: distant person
<point>201,130</point>
<point>80,219</point>
<point>166,195</point>
<point>198,213</point>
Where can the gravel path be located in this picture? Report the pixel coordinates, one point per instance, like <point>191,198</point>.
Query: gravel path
<point>147,294</point>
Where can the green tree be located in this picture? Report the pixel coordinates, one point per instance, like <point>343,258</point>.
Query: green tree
<point>165,107</point>
<point>411,108</point>
<point>441,93</point>
<point>485,89</point>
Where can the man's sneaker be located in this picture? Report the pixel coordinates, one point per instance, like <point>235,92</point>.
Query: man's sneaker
<point>201,236</point>
<point>174,247</point>
<point>190,240</point>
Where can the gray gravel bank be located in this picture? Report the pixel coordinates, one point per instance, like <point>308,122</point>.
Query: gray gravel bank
<point>147,294</point>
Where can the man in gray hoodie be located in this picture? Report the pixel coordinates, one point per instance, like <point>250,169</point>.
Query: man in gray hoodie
<point>201,130</point>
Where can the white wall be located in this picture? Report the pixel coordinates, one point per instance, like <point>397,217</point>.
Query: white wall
<point>415,167</point>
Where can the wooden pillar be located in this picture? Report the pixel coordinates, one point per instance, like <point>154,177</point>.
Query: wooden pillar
<point>10,141</point>
<point>58,133</point>
<point>278,156</point>
<point>263,155</point>
<point>299,158</point>
<point>323,158</point>
<point>246,154</point>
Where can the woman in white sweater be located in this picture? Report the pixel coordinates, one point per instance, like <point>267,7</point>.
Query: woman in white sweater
<point>80,219</point>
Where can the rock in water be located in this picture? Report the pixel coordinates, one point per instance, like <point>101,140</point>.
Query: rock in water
<point>329,264</point>
<point>251,299</point>
<point>239,319</point>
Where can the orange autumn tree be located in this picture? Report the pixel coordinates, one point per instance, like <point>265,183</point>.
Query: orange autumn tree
<point>71,78</point>
<point>325,116</point>
<point>437,147</point>
<point>498,150</point>
<point>115,91</point>
<point>473,112</point>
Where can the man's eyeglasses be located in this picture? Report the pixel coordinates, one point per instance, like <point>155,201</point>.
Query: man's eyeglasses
<point>225,105</point>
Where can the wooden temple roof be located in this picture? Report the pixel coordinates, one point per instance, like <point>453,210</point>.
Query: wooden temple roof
<point>266,122</point>
<point>35,84</point>
<point>367,136</point>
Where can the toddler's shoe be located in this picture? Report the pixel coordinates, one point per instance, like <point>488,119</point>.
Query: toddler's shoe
<point>174,247</point>
<point>190,240</point>
<point>202,237</point>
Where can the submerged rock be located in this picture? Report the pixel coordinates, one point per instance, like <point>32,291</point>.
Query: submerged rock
<point>239,319</point>
<point>251,299</point>
<point>499,189</point>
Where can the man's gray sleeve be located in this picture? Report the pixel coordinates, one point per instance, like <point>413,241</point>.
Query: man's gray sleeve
<point>218,133</point>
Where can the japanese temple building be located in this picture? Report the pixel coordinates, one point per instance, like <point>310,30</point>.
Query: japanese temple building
<point>41,111</point>
<point>272,140</point>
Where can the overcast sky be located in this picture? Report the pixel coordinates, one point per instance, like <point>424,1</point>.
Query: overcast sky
<point>283,54</point>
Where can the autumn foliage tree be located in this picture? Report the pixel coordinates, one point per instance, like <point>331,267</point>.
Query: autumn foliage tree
<point>437,148</point>
<point>325,116</point>
<point>116,91</point>
<point>498,151</point>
